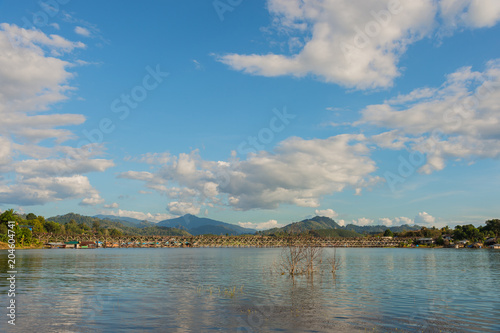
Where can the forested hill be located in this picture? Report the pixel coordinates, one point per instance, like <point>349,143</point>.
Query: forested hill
<point>315,223</point>
<point>201,225</point>
<point>327,227</point>
<point>377,229</point>
<point>81,223</point>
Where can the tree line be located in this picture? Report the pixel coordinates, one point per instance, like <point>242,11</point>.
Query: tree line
<point>469,232</point>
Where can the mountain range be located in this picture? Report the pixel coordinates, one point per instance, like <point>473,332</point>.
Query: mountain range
<point>201,225</point>
<point>191,224</point>
<point>325,226</point>
<point>143,228</point>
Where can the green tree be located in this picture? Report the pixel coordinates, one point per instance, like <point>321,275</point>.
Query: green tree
<point>30,216</point>
<point>37,225</point>
<point>95,226</point>
<point>115,233</point>
<point>72,227</point>
<point>388,233</point>
<point>9,215</point>
<point>52,227</point>
<point>493,226</point>
<point>83,227</point>
<point>23,236</point>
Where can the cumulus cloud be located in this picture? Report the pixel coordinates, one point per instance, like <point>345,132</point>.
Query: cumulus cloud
<point>326,212</point>
<point>424,219</point>
<point>297,172</point>
<point>357,44</point>
<point>41,190</point>
<point>469,13</point>
<point>113,205</point>
<point>363,221</point>
<point>151,158</point>
<point>92,200</point>
<point>82,31</point>
<point>385,221</point>
<point>157,217</point>
<point>458,120</point>
<point>261,226</point>
<point>182,208</point>
<point>32,79</point>
<point>395,221</point>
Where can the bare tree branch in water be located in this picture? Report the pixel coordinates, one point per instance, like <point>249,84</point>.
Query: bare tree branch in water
<point>334,262</point>
<point>298,257</point>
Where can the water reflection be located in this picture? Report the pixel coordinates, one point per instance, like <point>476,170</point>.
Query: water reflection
<point>385,290</point>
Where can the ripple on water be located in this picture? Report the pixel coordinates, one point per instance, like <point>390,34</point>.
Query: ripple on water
<point>189,290</point>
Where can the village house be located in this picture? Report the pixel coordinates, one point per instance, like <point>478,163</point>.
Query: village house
<point>87,245</point>
<point>447,237</point>
<point>30,227</point>
<point>55,245</point>
<point>490,241</point>
<point>72,245</point>
<point>425,241</point>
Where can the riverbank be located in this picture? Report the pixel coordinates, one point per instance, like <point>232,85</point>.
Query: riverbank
<point>5,246</point>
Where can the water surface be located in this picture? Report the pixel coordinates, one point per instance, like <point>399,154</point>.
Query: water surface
<point>232,289</point>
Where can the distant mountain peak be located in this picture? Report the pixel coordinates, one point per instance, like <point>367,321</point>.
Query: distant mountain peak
<point>203,225</point>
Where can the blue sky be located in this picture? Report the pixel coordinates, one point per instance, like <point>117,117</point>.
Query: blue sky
<point>252,112</point>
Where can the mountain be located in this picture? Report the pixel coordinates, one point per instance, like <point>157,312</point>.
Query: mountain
<point>200,226</point>
<point>129,220</point>
<point>334,233</point>
<point>326,227</point>
<point>315,223</point>
<point>144,228</point>
<point>377,229</point>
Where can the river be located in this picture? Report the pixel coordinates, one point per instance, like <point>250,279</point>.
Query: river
<point>233,290</point>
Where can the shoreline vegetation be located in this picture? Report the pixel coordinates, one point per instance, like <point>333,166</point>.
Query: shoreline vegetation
<point>31,232</point>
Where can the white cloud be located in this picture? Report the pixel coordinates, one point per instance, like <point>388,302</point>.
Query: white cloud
<point>424,219</point>
<point>182,208</point>
<point>403,220</point>
<point>357,44</point>
<point>197,64</point>
<point>137,175</point>
<point>341,223</point>
<point>326,212</point>
<point>151,158</point>
<point>385,221</point>
<point>261,226</point>
<point>82,31</point>
<point>363,221</point>
<point>113,205</point>
<point>396,221</point>
<point>297,172</point>
<point>94,199</point>
<point>41,190</point>
<point>343,41</point>
<point>469,13</point>
<point>139,215</point>
<point>41,167</point>
<point>32,80</point>
<point>5,151</point>
<point>392,140</point>
<point>458,120</point>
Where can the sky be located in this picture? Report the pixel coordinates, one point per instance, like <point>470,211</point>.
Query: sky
<point>257,113</point>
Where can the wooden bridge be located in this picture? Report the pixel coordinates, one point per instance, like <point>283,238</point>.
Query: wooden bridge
<point>224,241</point>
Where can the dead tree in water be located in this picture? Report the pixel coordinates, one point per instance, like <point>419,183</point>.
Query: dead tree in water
<point>298,258</point>
<point>334,262</point>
